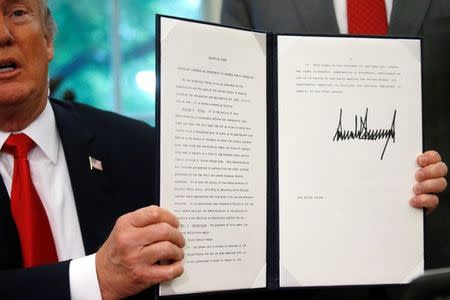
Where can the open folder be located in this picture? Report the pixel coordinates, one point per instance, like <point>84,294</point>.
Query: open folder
<point>289,159</point>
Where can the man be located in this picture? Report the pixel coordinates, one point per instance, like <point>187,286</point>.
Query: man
<point>426,18</point>
<point>89,168</point>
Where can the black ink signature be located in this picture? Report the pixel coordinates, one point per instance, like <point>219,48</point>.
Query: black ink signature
<point>361,131</point>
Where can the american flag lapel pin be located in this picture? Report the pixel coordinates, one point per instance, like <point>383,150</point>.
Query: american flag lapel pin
<point>95,164</point>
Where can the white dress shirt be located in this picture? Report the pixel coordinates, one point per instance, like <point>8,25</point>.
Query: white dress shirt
<point>340,7</point>
<point>51,179</point>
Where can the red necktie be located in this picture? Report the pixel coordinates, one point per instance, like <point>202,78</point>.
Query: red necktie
<point>36,239</point>
<point>367,17</point>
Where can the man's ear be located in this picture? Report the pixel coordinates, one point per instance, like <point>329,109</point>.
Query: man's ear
<point>50,48</point>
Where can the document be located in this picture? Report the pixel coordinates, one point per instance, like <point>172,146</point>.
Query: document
<point>289,159</point>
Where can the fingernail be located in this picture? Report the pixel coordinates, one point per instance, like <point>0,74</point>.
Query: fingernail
<point>413,201</point>
<point>423,160</point>
<point>420,175</point>
<point>416,189</point>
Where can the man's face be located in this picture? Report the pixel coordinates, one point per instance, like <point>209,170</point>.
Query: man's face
<point>25,53</point>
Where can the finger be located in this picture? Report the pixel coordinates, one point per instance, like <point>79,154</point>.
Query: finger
<point>151,215</point>
<point>162,251</point>
<point>428,201</point>
<point>158,232</point>
<point>428,158</point>
<point>160,273</point>
<point>144,276</point>
<point>435,170</point>
<point>430,186</point>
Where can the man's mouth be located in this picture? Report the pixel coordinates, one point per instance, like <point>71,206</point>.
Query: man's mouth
<point>7,67</point>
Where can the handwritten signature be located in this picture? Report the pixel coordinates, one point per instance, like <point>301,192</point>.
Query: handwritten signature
<point>362,132</point>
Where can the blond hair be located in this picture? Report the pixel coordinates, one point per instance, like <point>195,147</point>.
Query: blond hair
<point>48,22</point>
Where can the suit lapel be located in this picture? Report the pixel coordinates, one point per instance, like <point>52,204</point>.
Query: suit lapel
<point>407,16</point>
<point>91,188</point>
<point>318,15</point>
<point>10,250</point>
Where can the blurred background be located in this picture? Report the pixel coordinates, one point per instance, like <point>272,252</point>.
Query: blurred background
<point>105,51</point>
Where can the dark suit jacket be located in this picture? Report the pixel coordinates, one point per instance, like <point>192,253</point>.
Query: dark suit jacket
<point>127,150</point>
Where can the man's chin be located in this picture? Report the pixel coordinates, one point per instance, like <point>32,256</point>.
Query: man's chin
<point>11,102</point>
<point>14,96</point>
<point>19,109</point>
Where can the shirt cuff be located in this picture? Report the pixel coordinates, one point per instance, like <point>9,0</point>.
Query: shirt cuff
<point>83,279</point>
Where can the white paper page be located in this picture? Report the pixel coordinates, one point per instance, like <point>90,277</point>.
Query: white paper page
<point>345,217</point>
<point>213,153</point>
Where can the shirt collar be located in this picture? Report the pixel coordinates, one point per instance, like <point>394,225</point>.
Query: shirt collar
<point>43,132</point>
